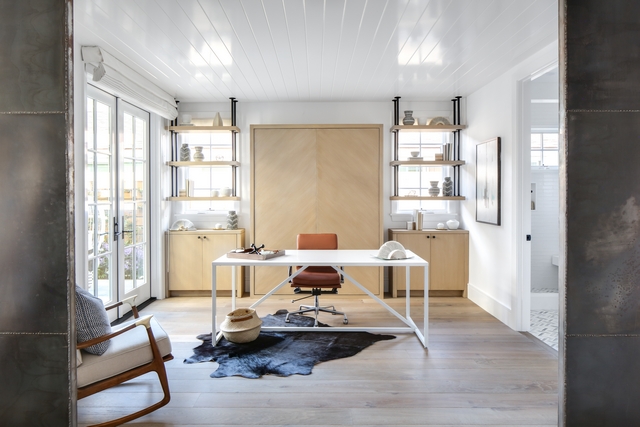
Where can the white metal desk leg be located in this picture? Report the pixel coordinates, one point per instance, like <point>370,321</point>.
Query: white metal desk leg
<point>426,306</point>
<point>233,287</point>
<point>407,281</point>
<point>213,305</point>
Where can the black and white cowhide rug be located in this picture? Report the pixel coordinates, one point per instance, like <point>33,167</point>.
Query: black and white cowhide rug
<point>281,353</point>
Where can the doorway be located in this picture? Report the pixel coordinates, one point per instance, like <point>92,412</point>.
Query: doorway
<point>540,136</point>
<point>116,199</point>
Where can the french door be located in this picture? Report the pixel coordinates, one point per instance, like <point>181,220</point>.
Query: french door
<point>116,198</point>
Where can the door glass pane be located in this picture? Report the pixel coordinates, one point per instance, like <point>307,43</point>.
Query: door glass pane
<point>103,177</point>
<point>91,230</point>
<point>128,269</point>
<point>127,224</point>
<point>127,147</point>
<point>103,225</point>
<point>139,181</point>
<point>89,141</point>
<point>103,274</point>
<point>127,179</point>
<point>139,230</point>
<point>140,263</point>
<point>140,139</point>
<point>103,128</point>
<point>89,177</point>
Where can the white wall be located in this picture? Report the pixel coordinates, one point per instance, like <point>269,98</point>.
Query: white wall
<point>493,250</point>
<point>544,228</point>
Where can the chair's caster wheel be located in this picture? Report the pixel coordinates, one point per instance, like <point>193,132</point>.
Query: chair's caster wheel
<point>345,321</point>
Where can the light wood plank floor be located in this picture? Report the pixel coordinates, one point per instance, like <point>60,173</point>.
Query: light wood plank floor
<point>476,372</point>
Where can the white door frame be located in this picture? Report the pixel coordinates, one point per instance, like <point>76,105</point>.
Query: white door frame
<point>523,200</point>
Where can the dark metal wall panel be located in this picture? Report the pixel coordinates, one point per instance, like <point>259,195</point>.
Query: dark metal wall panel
<point>600,341</point>
<point>35,380</point>
<point>33,256</point>
<point>36,266</point>
<point>603,389</point>
<point>603,223</point>
<point>603,54</point>
<point>32,55</point>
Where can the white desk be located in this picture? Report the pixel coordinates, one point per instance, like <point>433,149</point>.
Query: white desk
<point>337,259</point>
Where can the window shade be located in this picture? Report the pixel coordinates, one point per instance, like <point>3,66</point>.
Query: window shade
<point>119,79</point>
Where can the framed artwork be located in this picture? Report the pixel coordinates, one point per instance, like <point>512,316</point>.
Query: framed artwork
<point>488,181</point>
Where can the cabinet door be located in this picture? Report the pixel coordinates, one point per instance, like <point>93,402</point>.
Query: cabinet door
<point>448,268</point>
<point>185,262</point>
<point>420,244</point>
<point>213,247</point>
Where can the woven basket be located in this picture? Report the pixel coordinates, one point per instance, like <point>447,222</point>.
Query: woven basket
<point>242,325</point>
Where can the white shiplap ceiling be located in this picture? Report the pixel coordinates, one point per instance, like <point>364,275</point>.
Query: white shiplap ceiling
<point>317,50</point>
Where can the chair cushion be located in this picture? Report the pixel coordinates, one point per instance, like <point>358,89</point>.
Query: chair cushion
<point>91,320</point>
<point>316,279</point>
<point>127,351</point>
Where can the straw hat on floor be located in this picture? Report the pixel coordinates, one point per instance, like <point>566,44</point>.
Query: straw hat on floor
<point>242,325</point>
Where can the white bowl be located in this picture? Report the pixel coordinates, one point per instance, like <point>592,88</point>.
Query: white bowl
<point>225,192</point>
<point>414,153</point>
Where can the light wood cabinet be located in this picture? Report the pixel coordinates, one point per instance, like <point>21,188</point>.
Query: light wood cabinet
<point>447,252</point>
<point>316,179</point>
<point>190,257</point>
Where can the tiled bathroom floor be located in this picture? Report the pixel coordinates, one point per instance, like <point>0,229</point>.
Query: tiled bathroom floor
<point>544,326</point>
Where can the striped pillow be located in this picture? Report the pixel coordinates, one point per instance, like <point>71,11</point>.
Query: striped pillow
<point>91,320</point>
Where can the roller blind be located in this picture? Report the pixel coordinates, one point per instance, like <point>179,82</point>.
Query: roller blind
<point>113,75</point>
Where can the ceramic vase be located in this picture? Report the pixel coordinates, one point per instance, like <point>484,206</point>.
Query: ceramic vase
<point>434,190</point>
<point>453,224</point>
<point>232,220</point>
<point>447,187</point>
<point>198,156</point>
<point>217,120</point>
<point>408,118</point>
<point>185,153</point>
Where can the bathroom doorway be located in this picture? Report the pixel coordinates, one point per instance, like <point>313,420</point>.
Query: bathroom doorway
<point>543,127</point>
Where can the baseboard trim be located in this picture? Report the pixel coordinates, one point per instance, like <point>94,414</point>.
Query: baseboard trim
<point>489,304</point>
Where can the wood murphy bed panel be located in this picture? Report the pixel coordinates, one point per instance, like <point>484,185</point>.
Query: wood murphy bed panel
<point>316,179</point>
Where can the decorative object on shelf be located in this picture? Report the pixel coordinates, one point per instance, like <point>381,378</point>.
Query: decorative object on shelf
<point>434,190</point>
<point>185,153</point>
<point>232,220</point>
<point>182,193</point>
<point>414,153</point>
<point>447,187</point>
<point>411,225</point>
<point>441,226</point>
<point>186,120</point>
<point>408,118</point>
<point>488,181</point>
<point>439,156</point>
<point>182,225</point>
<point>217,120</point>
<point>242,325</point>
<point>215,193</point>
<point>198,156</point>
<point>225,192</point>
<point>439,121</point>
<point>453,224</point>
<point>218,226</point>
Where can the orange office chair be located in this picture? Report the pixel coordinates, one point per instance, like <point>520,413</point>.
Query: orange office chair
<point>317,280</point>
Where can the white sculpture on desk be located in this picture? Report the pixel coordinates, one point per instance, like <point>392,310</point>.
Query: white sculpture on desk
<point>392,250</point>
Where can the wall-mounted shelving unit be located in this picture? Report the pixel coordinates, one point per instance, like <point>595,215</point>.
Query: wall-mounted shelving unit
<point>455,162</point>
<point>176,164</point>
